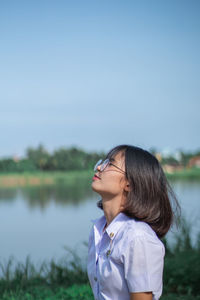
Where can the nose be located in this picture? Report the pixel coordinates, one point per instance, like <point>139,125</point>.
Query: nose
<point>99,168</point>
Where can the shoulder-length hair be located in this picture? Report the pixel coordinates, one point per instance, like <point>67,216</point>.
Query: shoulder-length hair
<point>151,198</point>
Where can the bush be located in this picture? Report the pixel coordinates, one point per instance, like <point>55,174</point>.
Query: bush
<point>81,292</point>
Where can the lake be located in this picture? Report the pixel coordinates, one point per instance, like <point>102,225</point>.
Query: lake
<point>42,221</point>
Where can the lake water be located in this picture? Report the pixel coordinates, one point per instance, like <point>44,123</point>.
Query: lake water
<point>41,221</point>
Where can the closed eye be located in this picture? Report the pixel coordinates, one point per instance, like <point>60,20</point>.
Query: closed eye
<point>110,164</point>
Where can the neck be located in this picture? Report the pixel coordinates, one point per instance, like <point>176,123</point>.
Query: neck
<point>111,207</point>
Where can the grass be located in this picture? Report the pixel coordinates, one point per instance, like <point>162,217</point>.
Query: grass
<point>74,292</point>
<point>43,178</point>
<point>67,279</point>
<point>188,174</point>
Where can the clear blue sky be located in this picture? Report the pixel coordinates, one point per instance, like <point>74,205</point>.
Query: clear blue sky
<point>95,74</point>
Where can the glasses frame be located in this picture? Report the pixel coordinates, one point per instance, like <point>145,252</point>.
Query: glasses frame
<point>104,164</point>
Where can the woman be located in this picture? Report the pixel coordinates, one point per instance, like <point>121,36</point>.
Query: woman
<point>126,255</point>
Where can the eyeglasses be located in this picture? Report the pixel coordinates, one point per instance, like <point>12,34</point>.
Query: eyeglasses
<point>104,164</point>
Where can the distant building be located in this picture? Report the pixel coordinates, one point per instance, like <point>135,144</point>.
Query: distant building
<point>158,156</point>
<point>16,158</point>
<point>194,162</point>
<point>171,168</point>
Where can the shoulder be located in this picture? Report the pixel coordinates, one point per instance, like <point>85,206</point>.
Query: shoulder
<point>135,231</point>
<point>141,246</point>
<point>139,228</point>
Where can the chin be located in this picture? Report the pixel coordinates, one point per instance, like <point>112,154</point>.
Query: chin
<point>95,187</point>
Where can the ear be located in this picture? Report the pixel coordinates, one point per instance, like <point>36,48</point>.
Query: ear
<point>127,187</point>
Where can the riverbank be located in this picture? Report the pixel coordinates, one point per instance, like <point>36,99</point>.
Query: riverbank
<point>43,178</point>
<point>67,178</point>
<point>185,174</point>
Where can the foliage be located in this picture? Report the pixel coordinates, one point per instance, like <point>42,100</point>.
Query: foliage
<point>62,159</point>
<point>179,297</point>
<point>181,274</point>
<point>19,276</point>
<point>73,158</point>
<point>185,174</point>
<point>182,264</point>
<point>74,292</point>
<point>23,165</point>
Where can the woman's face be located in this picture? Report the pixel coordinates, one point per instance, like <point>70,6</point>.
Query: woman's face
<point>111,182</point>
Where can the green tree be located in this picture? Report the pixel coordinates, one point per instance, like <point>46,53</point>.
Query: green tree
<point>39,157</point>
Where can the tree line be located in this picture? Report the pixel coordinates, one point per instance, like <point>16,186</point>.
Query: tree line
<point>181,158</point>
<point>62,159</point>
<point>73,158</point>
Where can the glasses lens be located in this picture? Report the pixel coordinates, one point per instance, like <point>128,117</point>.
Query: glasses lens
<point>97,164</point>
<point>104,164</point>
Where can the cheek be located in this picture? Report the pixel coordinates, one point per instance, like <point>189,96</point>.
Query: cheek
<point>115,185</point>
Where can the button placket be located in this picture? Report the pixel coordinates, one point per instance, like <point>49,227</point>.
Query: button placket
<point>110,245</point>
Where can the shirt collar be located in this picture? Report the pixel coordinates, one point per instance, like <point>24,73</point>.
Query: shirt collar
<point>99,224</point>
<point>116,224</point>
<point>113,227</point>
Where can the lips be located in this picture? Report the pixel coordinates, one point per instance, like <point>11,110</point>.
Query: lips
<point>95,177</point>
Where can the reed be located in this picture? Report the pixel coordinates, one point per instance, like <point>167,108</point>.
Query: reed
<point>67,278</point>
<point>182,265</point>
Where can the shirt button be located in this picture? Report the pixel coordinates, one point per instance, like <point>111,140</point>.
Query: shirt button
<point>108,253</point>
<point>95,279</point>
<point>111,234</point>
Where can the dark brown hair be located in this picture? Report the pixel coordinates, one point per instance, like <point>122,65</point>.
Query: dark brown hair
<point>151,199</point>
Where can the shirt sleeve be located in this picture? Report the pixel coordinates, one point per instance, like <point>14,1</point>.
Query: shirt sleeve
<point>143,260</point>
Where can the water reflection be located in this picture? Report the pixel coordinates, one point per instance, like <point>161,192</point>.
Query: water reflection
<point>8,194</point>
<point>78,191</point>
<point>39,220</point>
<point>43,196</point>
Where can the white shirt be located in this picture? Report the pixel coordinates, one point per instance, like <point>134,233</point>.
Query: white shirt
<point>127,257</point>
